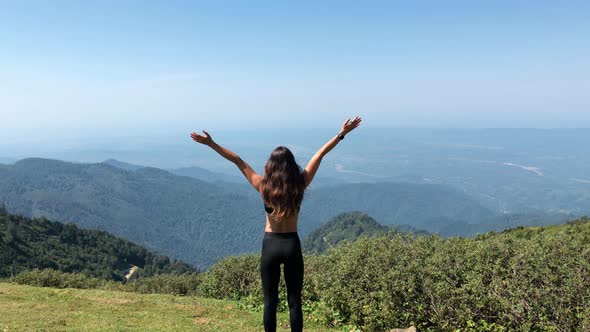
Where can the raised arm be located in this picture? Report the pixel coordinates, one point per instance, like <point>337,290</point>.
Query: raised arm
<point>314,163</point>
<point>248,172</point>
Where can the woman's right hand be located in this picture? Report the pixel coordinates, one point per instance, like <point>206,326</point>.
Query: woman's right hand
<point>203,139</point>
<point>348,125</point>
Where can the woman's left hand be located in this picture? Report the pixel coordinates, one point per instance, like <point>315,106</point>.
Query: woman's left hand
<point>349,126</point>
<point>203,139</point>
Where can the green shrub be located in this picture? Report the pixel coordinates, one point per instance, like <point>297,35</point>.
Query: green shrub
<point>233,278</point>
<point>504,282</point>
<point>183,284</point>
<point>57,279</point>
<point>526,279</point>
<point>238,278</point>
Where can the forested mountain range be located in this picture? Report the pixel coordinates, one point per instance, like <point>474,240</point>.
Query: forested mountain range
<point>199,221</point>
<point>193,172</point>
<point>181,217</point>
<point>27,243</point>
<point>428,206</point>
<point>424,206</point>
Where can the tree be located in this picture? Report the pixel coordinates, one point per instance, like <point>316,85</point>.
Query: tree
<point>3,210</point>
<point>12,232</point>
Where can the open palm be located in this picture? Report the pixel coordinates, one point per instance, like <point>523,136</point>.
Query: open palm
<point>203,139</point>
<point>348,125</point>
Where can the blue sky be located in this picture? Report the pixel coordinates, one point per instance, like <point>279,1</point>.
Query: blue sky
<point>74,68</point>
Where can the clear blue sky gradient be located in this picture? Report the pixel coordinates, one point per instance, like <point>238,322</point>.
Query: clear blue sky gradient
<point>106,67</point>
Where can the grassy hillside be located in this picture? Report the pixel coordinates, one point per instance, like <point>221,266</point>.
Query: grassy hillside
<point>27,243</point>
<point>27,308</point>
<point>524,279</point>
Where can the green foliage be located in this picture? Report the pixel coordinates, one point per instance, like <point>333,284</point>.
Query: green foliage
<point>525,279</point>
<point>238,278</point>
<point>176,215</point>
<point>183,284</point>
<point>349,226</point>
<point>39,243</point>
<point>3,210</point>
<point>173,284</point>
<point>233,278</point>
<point>518,280</point>
<point>57,279</point>
<point>345,226</point>
<point>535,282</point>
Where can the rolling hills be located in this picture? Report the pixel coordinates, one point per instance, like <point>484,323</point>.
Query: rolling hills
<point>178,216</point>
<point>199,221</point>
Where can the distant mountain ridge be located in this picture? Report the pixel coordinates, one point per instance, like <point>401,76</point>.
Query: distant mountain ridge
<point>200,221</point>
<point>423,206</point>
<point>181,217</point>
<point>122,165</point>
<point>198,173</point>
<point>27,243</point>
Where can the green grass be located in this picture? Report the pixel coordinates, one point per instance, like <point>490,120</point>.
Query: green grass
<point>28,308</point>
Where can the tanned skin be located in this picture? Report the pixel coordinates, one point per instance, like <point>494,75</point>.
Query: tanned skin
<point>288,224</point>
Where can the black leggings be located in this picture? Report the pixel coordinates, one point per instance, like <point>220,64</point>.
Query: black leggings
<point>283,248</point>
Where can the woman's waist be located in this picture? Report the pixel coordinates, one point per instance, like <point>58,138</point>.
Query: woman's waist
<point>282,235</point>
<point>282,226</point>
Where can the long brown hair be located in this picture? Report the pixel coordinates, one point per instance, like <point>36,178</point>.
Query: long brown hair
<point>283,183</point>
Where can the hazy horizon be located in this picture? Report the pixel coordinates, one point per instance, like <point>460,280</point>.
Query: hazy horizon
<point>51,146</point>
<point>74,70</point>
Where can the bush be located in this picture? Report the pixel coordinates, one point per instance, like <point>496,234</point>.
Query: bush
<point>504,282</point>
<point>519,280</point>
<point>233,278</point>
<point>57,279</point>
<point>526,279</point>
<point>238,278</point>
<point>183,284</point>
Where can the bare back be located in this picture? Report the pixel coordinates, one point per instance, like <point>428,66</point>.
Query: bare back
<point>284,225</point>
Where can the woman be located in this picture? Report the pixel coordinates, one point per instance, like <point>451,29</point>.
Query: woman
<point>281,187</point>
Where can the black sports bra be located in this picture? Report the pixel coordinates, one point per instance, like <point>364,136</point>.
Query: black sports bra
<point>268,209</point>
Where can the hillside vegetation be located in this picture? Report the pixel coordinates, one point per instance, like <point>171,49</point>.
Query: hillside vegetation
<point>345,226</point>
<point>177,216</point>
<point>39,243</point>
<point>524,279</point>
<point>349,226</point>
